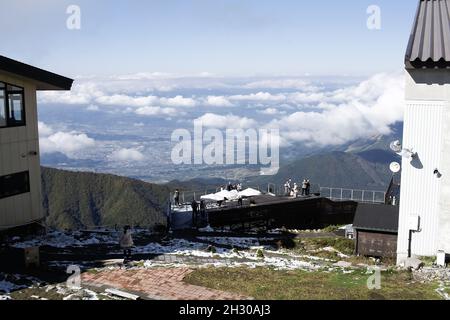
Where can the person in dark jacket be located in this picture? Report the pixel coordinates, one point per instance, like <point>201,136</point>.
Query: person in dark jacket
<point>194,206</point>
<point>176,197</point>
<point>202,209</point>
<point>308,187</point>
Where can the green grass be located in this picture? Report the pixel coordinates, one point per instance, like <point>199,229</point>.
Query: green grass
<point>346,246</point>
<point>428,261</point>
<point>313,246</point>
<point>331,229</point>
<point>264,283</point>
<point>41,292</point>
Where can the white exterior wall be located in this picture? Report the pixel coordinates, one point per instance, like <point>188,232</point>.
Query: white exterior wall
<point>15,142</point>
<point>427,132</point>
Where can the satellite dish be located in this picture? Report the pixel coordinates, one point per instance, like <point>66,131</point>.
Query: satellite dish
<point>396,146</point>
<point>395,167</point>
<point>408,154</point>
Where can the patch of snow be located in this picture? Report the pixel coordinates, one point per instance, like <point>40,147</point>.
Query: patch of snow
<point>238,242</point>
<point>342,264</point>
<point>331,249</point>
<point>275,231</point>
<point>206,229</point>
<point>59,239</point>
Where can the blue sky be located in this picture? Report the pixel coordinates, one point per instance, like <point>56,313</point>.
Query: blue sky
<point>224,37</point>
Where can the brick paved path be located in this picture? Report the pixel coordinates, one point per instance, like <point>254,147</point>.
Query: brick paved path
<point>158,284</point>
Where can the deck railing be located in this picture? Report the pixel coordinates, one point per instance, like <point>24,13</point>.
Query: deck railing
<point>332,193</point>
<point>341,194</point>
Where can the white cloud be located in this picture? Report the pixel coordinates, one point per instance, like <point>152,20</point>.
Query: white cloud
<point>178,101</point>
<point>260,96</point>
<point>218,101</point>
<point>157,111</point>
<point>211,120</point>
<point>272,111</point>
<point>126,101</point>
<point>92,107</point>
<point>44,130</point>
<point>124,154</point>
<point>67,143</point>
<point>358,112</point>
<point>318,116</point>
<point>296,84</point>
<point>81,93</point>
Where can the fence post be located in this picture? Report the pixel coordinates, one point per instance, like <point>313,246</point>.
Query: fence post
<point>342,194</point>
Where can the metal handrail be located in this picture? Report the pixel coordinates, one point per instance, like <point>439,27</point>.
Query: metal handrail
<point>364,193</point>
<point>338,194</point>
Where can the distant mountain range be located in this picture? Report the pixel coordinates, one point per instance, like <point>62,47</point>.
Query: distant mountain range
<point>368,170</point>
<point>76,200</point>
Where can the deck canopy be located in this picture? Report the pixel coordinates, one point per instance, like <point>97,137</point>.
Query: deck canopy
<point>231,195</point>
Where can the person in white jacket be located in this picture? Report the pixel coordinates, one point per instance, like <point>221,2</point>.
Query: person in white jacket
<point>126,243</point>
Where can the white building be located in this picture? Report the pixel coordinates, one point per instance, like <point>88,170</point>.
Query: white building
<point>20,174</point>
<point>424,225</point>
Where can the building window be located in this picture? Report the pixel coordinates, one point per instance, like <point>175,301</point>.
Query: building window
<point>12,108</point>
<point>14,184</point>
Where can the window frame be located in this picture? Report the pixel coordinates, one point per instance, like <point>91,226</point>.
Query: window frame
<point>26,190</point>
<point>7,92</point>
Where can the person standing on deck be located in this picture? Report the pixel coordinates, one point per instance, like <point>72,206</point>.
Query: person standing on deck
<point>202,209</point>
<point>176,197</point>
<point>286,188</point>
<point>126,243</point>
<point>194,206</point>
<point>308,187</point>
<point>295,190</point>
<point>304,187</point>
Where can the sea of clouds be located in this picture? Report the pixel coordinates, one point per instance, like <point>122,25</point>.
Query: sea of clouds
<point>312,111</point>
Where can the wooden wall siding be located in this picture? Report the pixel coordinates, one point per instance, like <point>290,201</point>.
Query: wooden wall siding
<point>313,213</point>
<point>376,244</point>
<point>14,143</point>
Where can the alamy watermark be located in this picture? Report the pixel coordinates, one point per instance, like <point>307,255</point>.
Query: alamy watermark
<point>374,19</point>
<point>227,147</point>
<point>74,280</point>
<point>374,281</point>
<point>73,22</point>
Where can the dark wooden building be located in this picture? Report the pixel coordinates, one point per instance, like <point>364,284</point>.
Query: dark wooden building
<point>277,212</point>
<point>376,229</point>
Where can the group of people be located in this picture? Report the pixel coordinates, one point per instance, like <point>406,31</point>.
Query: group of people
<point>231,187</point>
<point>293,189</point>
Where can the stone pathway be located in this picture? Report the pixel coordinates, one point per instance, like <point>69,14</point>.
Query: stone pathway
<point>155,284</point>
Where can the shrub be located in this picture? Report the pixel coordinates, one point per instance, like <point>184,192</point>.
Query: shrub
<point>211,249</point>
<point>260,253</point>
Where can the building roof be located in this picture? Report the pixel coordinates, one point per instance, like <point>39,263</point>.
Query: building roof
<point>45,80</point>
<point>376,217</point>
<point>429,44</point>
